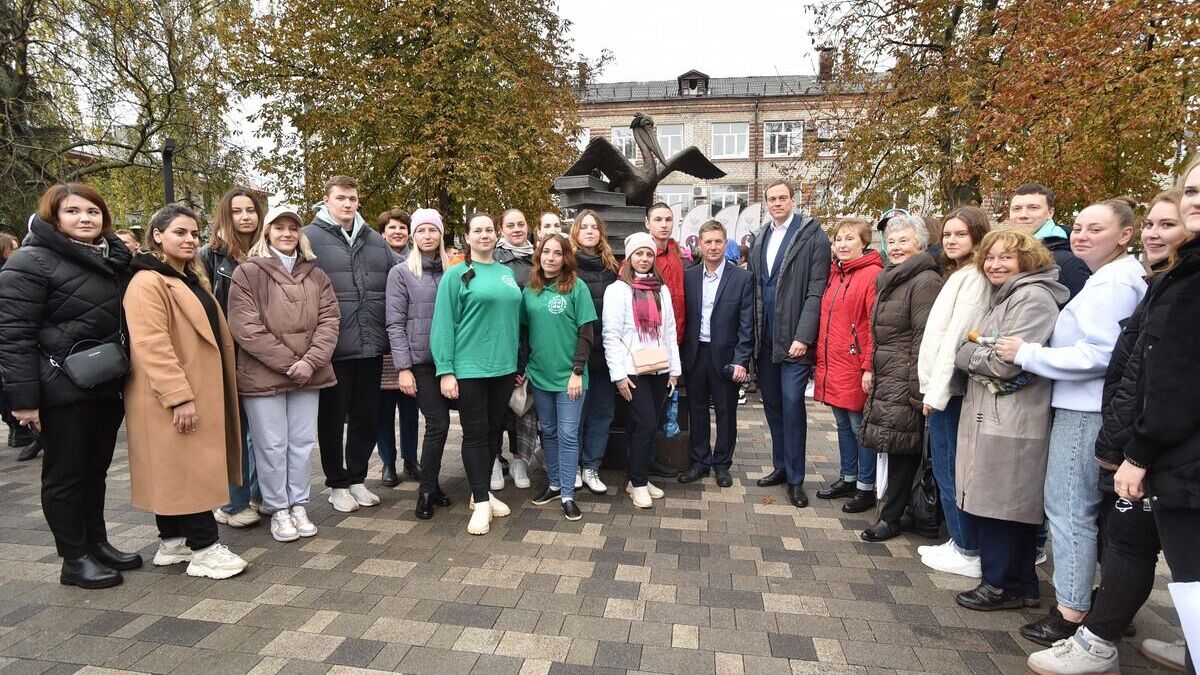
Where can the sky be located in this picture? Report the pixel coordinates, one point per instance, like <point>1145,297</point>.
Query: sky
<point>662,39</point>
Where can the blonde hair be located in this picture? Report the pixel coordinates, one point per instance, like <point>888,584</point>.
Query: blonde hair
<point>862,227</point>
<point>262,247</point>
<point>416,257</point>
<point>1031,254</point>
<point>1192,164</point>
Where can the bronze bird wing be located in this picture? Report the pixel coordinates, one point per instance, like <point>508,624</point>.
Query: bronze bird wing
<point>692,162</point>
<point>602,155</point>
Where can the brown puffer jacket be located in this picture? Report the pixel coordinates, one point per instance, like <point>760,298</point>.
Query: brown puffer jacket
<point>278,318</point>
<point>892,419</point>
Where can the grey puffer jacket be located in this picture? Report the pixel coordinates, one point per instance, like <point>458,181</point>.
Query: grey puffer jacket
<point>1004,440</point>
<point>521,265</point>
<point>359,275</point>
<point>410,301</point>
<point>892,419</point>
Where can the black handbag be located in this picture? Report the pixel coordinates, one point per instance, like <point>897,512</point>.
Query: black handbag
<point>90,366</point>
<point>925,502</point>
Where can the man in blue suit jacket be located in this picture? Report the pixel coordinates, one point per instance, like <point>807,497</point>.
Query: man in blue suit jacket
<point>717,347</point>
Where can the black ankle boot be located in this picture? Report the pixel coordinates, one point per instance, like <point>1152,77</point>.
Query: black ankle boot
<point>440,499</point>
<point>412,469</point>
<point>108,555</point>
<point>390,479</point>
<point>424,510</point>
<point>87,572</point>
<point>861,500</point>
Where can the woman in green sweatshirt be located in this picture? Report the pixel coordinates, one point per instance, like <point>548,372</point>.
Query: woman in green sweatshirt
<point>474,338</point>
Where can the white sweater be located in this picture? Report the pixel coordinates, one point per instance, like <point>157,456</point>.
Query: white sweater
<point>1085,335</point>
<point>621,337</point>
<point>959,307</point>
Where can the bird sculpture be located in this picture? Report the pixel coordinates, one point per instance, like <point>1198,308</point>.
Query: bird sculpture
<point>638,182</point>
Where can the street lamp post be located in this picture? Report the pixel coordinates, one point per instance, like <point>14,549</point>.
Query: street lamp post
<point>168,153</point>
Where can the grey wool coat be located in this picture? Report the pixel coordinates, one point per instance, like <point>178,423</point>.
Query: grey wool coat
<point>1004,441</point>
<point>892,419</point>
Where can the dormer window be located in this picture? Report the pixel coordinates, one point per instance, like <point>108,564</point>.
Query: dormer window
<point>693,83</point>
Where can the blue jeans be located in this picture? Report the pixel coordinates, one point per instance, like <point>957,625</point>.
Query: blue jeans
<point>559,416</point>
<point>858,463</point>
<point>1073,505</point>
<point>596,420</point>
<point>782,387</point>
<point>943,444</point>
<point>389,401</point>
<point>240,496</point>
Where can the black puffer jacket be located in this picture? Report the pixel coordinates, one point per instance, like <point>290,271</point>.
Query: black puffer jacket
<point>219,267</point>
<point>1166,433</point>
<point>521,265</point>
<point>1119,403</point>
<point>359,274</point>
<point>892,419</point>
<point>597,277</point>
<point>54,293</point>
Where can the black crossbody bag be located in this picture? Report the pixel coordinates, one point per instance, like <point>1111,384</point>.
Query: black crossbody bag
<point>90,363</point>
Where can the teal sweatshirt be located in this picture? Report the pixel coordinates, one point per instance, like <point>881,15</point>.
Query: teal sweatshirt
<point>476,327</point>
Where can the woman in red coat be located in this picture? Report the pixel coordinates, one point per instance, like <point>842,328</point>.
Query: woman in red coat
<point>844,357</point>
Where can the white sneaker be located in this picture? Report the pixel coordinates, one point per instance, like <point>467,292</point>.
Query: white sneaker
<point>1169,654</point>
<point>216,562</point>
<point>591,478</point>
<point>363,496</point>
<point>499,508</point>
<point>172,551</point>
<point>1076,655</point>
<point>1041,557</point>
<point>930,550</point>
<point>303,525</point>
<point>651,490</point>
<point>481,518</point>
<point>282,527</point>
<point>578,479</point>
<point>244,518</point>
<point>953,562</point>
<point>342,500</point>
<point>519,469</point>
<point>497,476</point>
<point>641,497</point>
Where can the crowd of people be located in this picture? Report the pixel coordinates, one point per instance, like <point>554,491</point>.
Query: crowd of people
<point>1041,371</point>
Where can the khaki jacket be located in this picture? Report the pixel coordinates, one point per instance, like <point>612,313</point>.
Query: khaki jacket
<point>278,318</point>
<point>174,358</point>
<point>1003,441</point>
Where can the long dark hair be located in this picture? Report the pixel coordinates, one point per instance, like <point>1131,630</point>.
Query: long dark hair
<point>566,278</point>
<point>978,226</point>
<point>470,273</point>
<point>603,248</point>
<point>225,235</point>
<point>159,222</point>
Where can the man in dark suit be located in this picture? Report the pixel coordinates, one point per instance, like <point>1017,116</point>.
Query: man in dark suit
<point>717,347</point>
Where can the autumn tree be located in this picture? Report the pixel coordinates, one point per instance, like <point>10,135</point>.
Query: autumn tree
<point>454,104</point>
<point>964,99</point>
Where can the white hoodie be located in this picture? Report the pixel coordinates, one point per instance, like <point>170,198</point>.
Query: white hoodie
<point>1085,334</point>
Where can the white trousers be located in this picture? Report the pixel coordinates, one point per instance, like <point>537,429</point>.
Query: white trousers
<point>284,430</point>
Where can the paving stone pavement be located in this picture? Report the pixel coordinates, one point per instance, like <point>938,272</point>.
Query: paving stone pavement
<point>710,581</point>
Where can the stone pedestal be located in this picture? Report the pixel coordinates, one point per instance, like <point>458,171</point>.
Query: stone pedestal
<point>577,193</point>
<point>673,452</point>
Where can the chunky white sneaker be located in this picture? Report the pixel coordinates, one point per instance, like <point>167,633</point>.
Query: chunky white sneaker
<point>641,497</point>
<point>1168,654</point>
<point>481,518</point>
<point>578,479</point>
<point>651,490</point>
<point>172,551</point>
<point>244,518</point>
<point>1079,654</point>
<point>519,469</point>
<point>282,527</point>
<point>216,562</point>
<point>499,508</point>
<point>1041,556</point>
<point>953,562</point>
<point>497,476</point>
<point>363,496</point>
<point>930,550</point>
<point>303,525</point>
<point>591,478</point>
<point>342,500</point>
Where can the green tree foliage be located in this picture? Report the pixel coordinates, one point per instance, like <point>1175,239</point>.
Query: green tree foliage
<point>976,96</point>
<point>455,104</point>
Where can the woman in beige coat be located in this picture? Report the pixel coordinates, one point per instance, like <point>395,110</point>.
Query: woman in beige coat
<point>1004,432</point>
<point>182,419</point>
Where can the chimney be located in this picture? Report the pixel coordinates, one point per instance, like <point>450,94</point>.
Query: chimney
<point>825,56</point>
<point>581,75</point>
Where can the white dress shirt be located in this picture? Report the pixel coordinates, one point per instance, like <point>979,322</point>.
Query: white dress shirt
<point>709,292</point>
<point>778,234</point>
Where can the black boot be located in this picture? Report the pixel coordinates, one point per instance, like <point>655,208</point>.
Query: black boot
<point>880,531</point>
<point>390,479</point>
<point>107,554</point>
<point>861,500</point>
<point>424,509</point>
<point>87,572</point>
<point>1049,629</point>
<point>693,474</point>
<point>19,436</point>
<point>440,499</point>
<point>840,488</point>
<point>30,451</point>
<point>796,495</point>
<point>776,477</point>
<point>412,469</point>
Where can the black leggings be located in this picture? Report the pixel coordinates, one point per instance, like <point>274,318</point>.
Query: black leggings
<point>645,417</point>
<point>436,410</point>
<point>481,405</point>
<point>901,472</point>
<point>1131,546</point>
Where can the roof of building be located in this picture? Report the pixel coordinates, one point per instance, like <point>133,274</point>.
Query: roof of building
<point>718,87</point>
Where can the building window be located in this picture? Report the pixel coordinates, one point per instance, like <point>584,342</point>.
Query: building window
<point>730,140</point>
<point>670,139</point>
<point>622,140</point>
<point>721,196</point>
<point>783,139</point>
<point>675,194</point>
<point>829,134</point>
